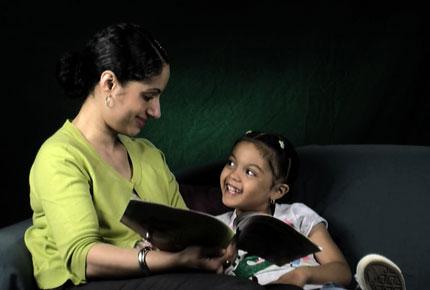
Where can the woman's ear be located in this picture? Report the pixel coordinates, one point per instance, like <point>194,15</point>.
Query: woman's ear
<point>107,81</point>
<point>279,191</point>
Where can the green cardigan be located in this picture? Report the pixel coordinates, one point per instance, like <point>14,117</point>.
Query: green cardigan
<point>78,200</point>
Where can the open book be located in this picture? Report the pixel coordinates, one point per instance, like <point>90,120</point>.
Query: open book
<point>173,229</point>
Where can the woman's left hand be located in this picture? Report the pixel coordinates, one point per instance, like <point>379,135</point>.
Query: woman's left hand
<point>231,251</point>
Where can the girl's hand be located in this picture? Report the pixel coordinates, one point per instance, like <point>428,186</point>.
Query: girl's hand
<point>297,277</point>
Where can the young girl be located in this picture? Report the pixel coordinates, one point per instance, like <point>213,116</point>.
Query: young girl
<point>257,174</point>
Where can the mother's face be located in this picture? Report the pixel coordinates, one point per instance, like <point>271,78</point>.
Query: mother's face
<point>136,102</point>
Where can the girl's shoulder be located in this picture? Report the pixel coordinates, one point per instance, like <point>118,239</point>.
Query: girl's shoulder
<point>294,208</point>
<point>298,215</point>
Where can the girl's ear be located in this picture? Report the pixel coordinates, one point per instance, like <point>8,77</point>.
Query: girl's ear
<point>279,191</point>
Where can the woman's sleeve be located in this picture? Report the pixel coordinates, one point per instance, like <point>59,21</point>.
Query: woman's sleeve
<point>63,187</point>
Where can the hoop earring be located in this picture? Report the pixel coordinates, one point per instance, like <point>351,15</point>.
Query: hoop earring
<point>107,101</point>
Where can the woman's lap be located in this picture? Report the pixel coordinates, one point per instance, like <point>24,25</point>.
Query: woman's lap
<point>174,281</point>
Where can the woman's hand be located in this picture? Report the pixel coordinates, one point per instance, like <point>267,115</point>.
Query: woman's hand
<point>105,260</point>
<point>231,253</point>
<point>211,259</point>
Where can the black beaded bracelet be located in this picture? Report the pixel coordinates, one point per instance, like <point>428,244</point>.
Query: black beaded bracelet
<point>141,257</point>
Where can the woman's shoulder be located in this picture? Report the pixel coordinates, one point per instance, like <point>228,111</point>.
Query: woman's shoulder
<point>66,144</point>
<point>63,149</point>
<point>64,138</point>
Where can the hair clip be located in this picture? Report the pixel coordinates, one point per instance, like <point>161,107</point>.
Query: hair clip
<point>248,132</point>
<point>281,144</point>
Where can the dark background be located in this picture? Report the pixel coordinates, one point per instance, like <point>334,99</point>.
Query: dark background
<point>319,72</point>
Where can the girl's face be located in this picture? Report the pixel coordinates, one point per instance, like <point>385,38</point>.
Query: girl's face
<point>246,180</point>
<point>136,102</point>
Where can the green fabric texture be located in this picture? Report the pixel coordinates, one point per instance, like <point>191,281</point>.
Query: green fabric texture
<point>330,85</point>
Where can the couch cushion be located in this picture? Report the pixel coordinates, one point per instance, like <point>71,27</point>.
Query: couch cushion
<point>375,198</point>
<point>16,268</point>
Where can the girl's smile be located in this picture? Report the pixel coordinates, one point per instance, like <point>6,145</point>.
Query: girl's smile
<point>229,189</point>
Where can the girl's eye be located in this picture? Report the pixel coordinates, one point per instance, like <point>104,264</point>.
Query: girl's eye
<point>230,163</point>
<point>250,173</point>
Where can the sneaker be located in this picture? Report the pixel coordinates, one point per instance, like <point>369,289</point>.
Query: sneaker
<point>375,272</point>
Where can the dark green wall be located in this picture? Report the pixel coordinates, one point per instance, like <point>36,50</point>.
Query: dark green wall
<point>319,72</point>
<point>324,75</point>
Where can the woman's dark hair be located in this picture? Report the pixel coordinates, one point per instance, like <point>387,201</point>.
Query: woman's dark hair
<point>126,49</point>
<point>279,151</point>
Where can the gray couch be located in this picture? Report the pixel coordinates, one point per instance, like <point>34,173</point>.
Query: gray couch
<point>375,197</point>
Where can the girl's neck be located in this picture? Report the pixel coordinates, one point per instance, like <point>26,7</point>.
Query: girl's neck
<point>268,211</point>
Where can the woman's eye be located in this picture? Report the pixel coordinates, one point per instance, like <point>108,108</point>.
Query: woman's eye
<point>147,98</point>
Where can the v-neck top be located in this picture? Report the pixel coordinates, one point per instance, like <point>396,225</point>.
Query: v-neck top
<point>78,200</point>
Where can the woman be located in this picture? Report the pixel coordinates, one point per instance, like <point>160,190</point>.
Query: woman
<point>84,175</point>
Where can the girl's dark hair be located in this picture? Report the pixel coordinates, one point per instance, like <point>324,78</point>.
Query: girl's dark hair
<point>126,49</point>
<point>279,151</point>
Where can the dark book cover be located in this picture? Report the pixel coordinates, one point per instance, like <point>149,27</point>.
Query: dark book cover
<point>173,229</point>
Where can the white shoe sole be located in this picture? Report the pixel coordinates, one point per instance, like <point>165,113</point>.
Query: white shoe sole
<point>375,272</point>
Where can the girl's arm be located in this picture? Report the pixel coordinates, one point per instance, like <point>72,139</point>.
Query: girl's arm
<point>333,266</point>
<point>105,260</point>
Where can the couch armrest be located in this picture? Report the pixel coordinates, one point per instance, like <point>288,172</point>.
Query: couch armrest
<point>16,268</point>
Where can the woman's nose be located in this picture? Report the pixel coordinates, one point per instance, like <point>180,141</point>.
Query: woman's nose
<point>154,109</point>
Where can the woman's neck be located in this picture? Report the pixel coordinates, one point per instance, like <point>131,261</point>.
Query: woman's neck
<point>94,129</point>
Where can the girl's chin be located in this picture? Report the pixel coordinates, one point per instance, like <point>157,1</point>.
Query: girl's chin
<point>229,201</point>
